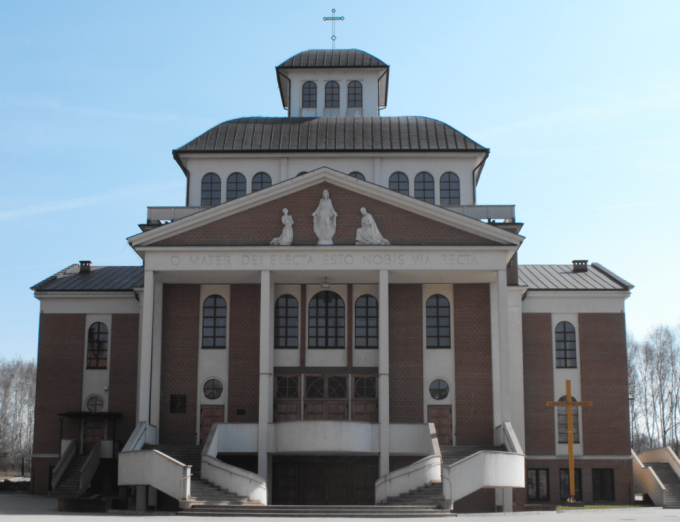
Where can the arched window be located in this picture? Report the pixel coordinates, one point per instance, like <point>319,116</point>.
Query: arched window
<point>424,187</point>
<point>354,94</point>
<point>332,94</point>
<point>95,404</point>
<point>366,322</point>
<point>286,322</point>
<point>562,422</point>
<point>326,321</point>
<point>399,183</point>
<point>236,186</point>
<point>211,190</point>
<point>565,345</point>
<point>438,312</point>
<point>97,346</point>
<point>357,175</point>
<point>449,189</point>
<point>215,322</point>
<point>309,94</point>
<point>261,180</point>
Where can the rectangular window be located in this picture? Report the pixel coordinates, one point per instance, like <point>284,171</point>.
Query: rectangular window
<point>603,484</point>
<point>563,424</point>
<point>537,484</point>
<point>564,484</point>
<point>178,403</point>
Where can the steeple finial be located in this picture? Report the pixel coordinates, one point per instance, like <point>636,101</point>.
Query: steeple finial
<point>333,19</point>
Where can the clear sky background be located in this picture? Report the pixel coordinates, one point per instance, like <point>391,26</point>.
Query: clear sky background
<point>578,101</point>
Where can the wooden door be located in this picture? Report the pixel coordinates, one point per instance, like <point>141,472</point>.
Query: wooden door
<point>441,417</point>
<point>365,411</point>
<point>315,485</point>
<point>315,410</point>
<point>286,484</point>
<point>285,411</point>
<point>364,484</point>
<point>337,411</point>
<point>337,492</point>
<point>94,431</point>
<point>209,416</point>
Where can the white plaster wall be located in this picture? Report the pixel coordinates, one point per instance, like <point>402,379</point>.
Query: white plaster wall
<point>326,356</point>
<point>288,356</point>
<point>568,302</point>
<point>363,357</point>
<point>83,304</point>
<point>516,370</point>
<point>439,363</point>
<point>326,437</point>
<point>237,437</point>
<point>96,382</point>
<point>410,439</point>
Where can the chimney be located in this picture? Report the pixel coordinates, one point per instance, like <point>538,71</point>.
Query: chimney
<point>580,265</point>
<point>85,267</point>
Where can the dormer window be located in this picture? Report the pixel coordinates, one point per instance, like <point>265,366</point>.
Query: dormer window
<point>354,94</point>
<point>332,95</point>
<point>211,190</point>
<point>236,186</point>
<point>309,94</point>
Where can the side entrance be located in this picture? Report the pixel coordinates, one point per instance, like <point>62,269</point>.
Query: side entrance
<point>440,416</point>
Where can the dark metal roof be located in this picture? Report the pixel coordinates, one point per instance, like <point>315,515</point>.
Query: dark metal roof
<point>332,58</point>
<point>99,279</point>
<point>562,277</point>
<point>389,134</point>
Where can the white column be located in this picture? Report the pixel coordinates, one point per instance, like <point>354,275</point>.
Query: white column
<point>146,346</point>
<point>504,348</point>
<point>155,408</point>
<point>384,370</point>
<point>266,290</point>
<point>495,356</point>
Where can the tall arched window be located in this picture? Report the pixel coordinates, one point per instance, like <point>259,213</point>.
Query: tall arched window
<point>215,322</point>
<point>211,190</point>
<point>449,189</point>
<point>438,314</point>
<point>326,321</point>
<point>357,175</point>
<point>354,94</point>
<point>309,94</point>
<point>332,94</point>
<point>286,322</point>
<point>97,346</point>
<point>399,183</point>
<point>563,422</point>
<point>261,180</point>
<point>236,186</point>
<point>565,345</point>
<point>366,322</point>
<point>424,187</point>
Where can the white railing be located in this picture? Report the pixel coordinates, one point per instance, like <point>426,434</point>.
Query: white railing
<point>171,213</point>
<point>90,467</point>
<point>648,482</point>
<point>505,434</point>
<point>155,469</point>
<point>666,455</point>
<point>65,459</point>
<point>417,475</point>
<point>504,212</point>
<point>144,433</point>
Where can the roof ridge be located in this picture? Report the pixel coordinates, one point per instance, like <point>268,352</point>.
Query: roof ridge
<point>612,275</point>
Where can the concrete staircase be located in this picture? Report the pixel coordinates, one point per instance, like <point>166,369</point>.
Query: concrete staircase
<point>189,454</point>
<point>452,454</point>
<point>381,511</point>
<point>69,485</point>
<point>670,480</point>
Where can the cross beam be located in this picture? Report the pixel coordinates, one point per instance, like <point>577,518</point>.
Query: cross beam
<point>333,19</point>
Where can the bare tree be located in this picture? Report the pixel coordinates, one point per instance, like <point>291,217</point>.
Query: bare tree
<point>17,411</point>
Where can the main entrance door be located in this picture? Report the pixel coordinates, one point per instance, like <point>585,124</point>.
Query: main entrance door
<point>441,417</point>
<point>209,416</point>
<point>94,431</point>
<point>333,481</point>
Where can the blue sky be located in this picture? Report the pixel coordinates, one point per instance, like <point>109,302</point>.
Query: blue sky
<point>578,101</point>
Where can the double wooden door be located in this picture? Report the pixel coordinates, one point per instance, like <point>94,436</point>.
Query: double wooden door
<point>93,431</point>
<point>209,416</point>
<point>441,417</point>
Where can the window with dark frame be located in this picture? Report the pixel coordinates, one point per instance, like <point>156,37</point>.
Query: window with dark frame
<point>261,180</point>
<point>215,322</point>
<point>424,187</point>
<point>439,389</point>
<point>365,388</point>
<point>603,485</point>
<point>366,322</point>
<point>286,322</point>
<point>332,95</point>
<point>178,403</point>
<point>565,345</point>
<point>438,316</point>
<point>357,175</point>
<point>309,94</point>
<point>95,404</point>
<point>337,387</point>
<point>562,422</point>
<point>354,94</point>
<point>564,484</point>
<point>399,183</point>
<point>537,484</point>
<point>449,189</point>
<point>97,346</point>
<point>326,321</point>
<point>212,389</point>
<point>287,388</point>
<point>315,387</point>
<point>211,190</point>
<point>236,186</point>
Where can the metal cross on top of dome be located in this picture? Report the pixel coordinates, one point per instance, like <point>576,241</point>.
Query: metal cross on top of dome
<point>333,19</point>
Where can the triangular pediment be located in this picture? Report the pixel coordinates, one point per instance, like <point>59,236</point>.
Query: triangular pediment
<point>255,219</point>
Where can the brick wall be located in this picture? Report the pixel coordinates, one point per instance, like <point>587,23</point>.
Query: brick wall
<point>179,361</point>
<point>123,373</point>
<point>406,353</point>
<point>40,475</point>
<point>538,384</point>
<point>244,352</point>
<point>259,225</point>
<point>604,381</point>
<point>61,348</point>
<point>472,344</point>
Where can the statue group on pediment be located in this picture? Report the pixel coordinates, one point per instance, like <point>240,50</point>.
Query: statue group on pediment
<point>325,223</point>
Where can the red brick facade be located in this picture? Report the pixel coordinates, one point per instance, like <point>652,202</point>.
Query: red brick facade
<point>179,361</point>
<point>257,226</point>
<point>406,353</point>
<point>123,373</point>
<point>244,353</point>
<point>472,345</point>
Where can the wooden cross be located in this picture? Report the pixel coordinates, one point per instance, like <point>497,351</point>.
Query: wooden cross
<point>570,431</point>
<point>333,19</point>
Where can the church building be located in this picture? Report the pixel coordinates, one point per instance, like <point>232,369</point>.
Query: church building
<point>332,319</point>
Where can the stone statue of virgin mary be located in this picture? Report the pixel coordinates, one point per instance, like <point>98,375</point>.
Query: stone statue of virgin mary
<point>325,218</point>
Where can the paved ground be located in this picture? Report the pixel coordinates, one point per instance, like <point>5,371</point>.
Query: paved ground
<point>30,508</point>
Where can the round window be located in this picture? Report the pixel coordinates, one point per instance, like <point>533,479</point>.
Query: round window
<point>439,389</point>
<point>95,404</point>
<point>212,389</point>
